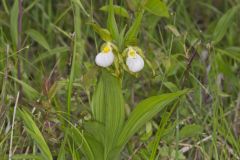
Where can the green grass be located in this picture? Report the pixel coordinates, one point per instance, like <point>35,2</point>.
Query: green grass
<point>184,104</point>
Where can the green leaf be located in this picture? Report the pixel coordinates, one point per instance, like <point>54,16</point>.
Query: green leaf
<point>119,10</point>
<point>143,112</point>
<point>224,67</point>
<point>161,129</point>
<point>223,24</point>
<point>62,152</point>
<point>148,133</point>
<point>57,86</point>
<point>131,35</point>
<point>108,107</point>
<point>39,38</point>
<point>157,7</point>
<point>190,131</point>
<point>50,53</point>
<point>14,23</point>
<point>171,86</point>
<point>173,29</point>
<point>95,129</point>
<point>230,53</point>
<point>111,22</point>
<point>79,139</point>
<point>82,142</point>
<point>35,133</point>
<point>97,147</point>
<point>89,78</point>
<point>103,33</point>
<point>28,90</point>
<point>166,152</point>
<point>79,3</point>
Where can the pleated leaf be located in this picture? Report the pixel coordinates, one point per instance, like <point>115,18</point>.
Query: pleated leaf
<point>97,147</point>
<point>108,107</point>
<point>145,111</point>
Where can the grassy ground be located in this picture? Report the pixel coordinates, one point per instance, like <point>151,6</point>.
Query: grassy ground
<point>48,76</point>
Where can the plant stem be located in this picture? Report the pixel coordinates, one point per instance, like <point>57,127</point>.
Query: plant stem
<point>20,15</point>
<point>190,60</point>
<point>3,94</point>
<point>13,120</point>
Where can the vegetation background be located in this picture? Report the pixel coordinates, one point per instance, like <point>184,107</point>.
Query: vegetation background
<point>191,44</point>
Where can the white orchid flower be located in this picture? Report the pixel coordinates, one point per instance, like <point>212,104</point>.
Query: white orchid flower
<point>134,61</point>
<point>106,57</point>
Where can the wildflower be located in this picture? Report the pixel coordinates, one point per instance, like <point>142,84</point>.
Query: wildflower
<point>106,57</point>
<point>134,61</point>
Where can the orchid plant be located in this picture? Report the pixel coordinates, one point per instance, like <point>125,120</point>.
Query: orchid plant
<point>109,131</point>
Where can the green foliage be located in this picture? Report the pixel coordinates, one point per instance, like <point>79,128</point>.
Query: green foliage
<point>103,33</point>
<point>35,134</point>
<point>131,35</point>
<point>157,7</point>
<point>144,111</point>
<point>81,142</point>
<point>190,131</point>
<point>166,152</point>
<point>82,111</point>
<point>77,23</point>
<point>224,23</point>
<point>28,90</point>
<point>39,38</point>
<point>111,21</point>
<point>117,10</point>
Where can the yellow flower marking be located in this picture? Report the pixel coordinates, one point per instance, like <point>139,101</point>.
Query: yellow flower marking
<point>106,49</point>
<point>132,52</point>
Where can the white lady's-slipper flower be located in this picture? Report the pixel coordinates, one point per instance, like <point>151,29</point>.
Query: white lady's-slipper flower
<point>106,57</point>
<point>134,61</point>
